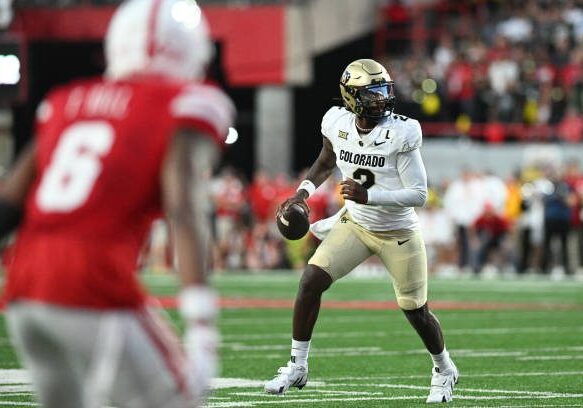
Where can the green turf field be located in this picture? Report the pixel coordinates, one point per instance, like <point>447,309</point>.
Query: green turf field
<point>525,351</point>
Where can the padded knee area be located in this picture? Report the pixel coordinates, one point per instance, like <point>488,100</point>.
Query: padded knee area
<point>409,303</point>
<point>314,281</point>
<point>411,295</point>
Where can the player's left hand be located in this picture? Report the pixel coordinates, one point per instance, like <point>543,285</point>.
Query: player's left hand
<point>351,190</point>
<point>201,342</point>
<point>198,306</point>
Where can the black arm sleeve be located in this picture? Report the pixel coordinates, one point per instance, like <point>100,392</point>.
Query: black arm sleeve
<point>10,216</point>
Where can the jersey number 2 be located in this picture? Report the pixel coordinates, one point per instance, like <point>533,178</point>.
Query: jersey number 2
<point>368,176</point>
<point>74,167</point>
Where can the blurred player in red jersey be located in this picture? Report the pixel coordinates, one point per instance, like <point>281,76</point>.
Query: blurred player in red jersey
<point>110,154</point>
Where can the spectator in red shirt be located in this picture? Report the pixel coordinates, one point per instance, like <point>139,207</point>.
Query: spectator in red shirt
<point>396,22</point>
<point>570,128</point>
<point>460,87</point>
<point>228,193</point>
<point>490,229</point>
<point>283,188</point>
<point>262,193</point>
<point>574,178</point>
<point>396,12</point>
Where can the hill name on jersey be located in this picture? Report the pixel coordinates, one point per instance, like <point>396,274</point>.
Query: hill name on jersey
<point>99,100</point>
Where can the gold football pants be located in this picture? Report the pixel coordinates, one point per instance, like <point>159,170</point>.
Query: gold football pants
<point>402,252</point>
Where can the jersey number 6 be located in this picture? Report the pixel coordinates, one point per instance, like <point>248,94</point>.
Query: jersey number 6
<point>367,175</point>
<point>74,167</point>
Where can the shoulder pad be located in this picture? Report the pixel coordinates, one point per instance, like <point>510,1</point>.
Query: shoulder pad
<point>330,118</point>
<point>203,107</point>
<point>409,134</point>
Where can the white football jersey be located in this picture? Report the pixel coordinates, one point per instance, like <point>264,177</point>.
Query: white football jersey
<point>371,159</point>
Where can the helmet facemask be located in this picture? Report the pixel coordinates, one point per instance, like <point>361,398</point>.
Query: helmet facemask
<point>377,100</point>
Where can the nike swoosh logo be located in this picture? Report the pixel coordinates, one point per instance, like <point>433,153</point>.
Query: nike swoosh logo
<point>297,382</point>
<point>402,242</point>
<point>378,144</point>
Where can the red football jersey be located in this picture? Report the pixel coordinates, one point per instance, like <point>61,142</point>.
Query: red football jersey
<point>100,147</point>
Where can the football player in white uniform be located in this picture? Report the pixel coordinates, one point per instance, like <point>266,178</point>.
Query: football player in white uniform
<point>383,175</point>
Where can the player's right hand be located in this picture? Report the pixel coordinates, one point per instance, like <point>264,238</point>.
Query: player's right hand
<point>299,198</point>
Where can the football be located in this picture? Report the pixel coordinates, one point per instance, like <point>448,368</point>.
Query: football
<point>293,223</point>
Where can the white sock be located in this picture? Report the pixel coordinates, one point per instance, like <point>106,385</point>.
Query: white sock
<point>299,352</point>
<point>442,361</point>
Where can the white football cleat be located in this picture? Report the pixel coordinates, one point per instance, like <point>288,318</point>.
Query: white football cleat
<point>442,385</point>
<point>292,375</point>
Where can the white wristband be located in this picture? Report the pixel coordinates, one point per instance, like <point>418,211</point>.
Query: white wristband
<point>308,186</point>
<point>198,303</point>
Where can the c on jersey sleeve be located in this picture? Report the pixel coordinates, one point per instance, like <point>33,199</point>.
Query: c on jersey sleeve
<point>410,136</point>
<point>330,118</point>
<point>203,108</point>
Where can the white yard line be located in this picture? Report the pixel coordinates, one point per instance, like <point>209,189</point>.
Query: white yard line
<point>13,376</point>
<point>550,358</point>
<point>470,375</point>
<point>455,352</point>
<point>15,388</point>
<point>221,383</point>
<point>306,393</point>
<point>478,390</point>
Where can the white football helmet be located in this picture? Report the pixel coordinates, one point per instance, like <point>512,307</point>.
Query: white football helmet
<point>168,37</point>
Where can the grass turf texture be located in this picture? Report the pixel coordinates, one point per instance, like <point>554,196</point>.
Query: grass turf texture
<point>512,357</point>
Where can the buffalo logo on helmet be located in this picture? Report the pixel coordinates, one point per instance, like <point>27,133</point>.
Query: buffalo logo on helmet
<point>345,77</point>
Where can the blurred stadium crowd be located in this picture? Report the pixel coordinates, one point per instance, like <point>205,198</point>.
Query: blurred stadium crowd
<point>496,70</point>
<point>477,223</point>
<point>500,62</point>
<point>516,67</point>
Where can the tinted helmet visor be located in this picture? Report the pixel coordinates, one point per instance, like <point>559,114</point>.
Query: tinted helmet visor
<point>377,100</point>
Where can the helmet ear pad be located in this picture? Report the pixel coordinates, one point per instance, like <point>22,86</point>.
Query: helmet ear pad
<point>350,99</point>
